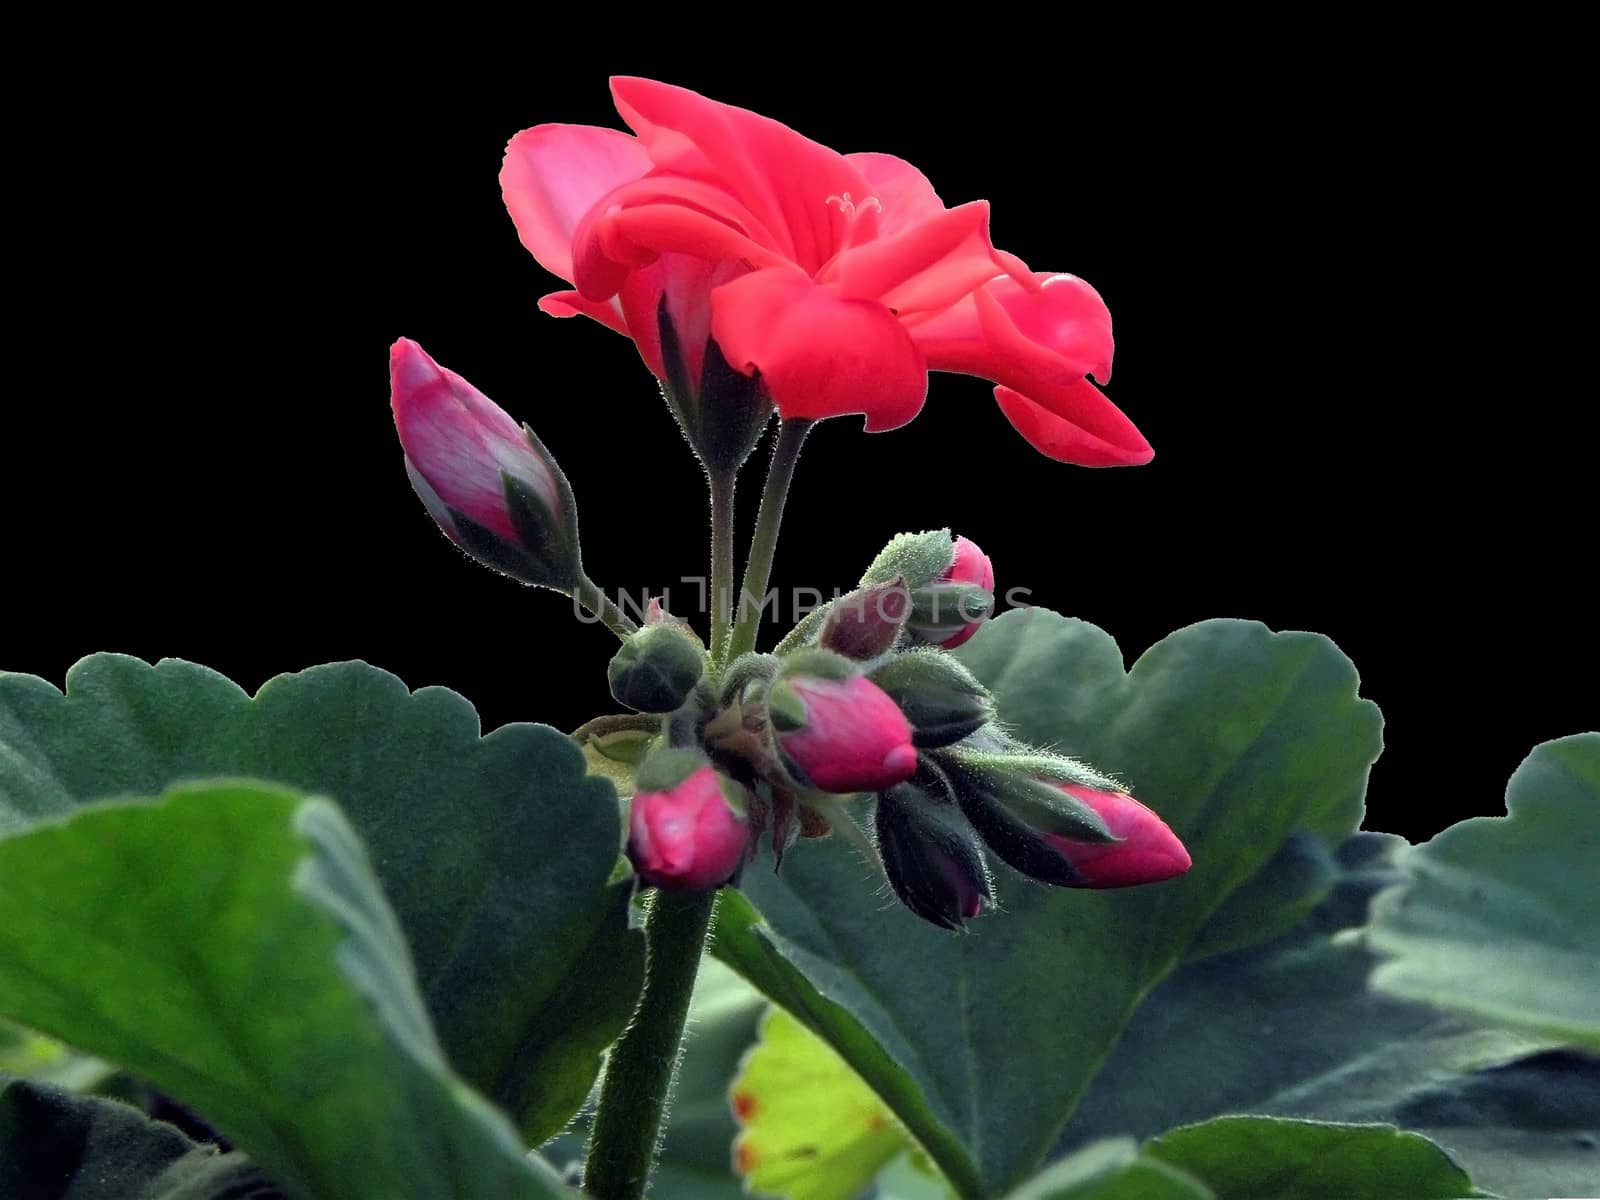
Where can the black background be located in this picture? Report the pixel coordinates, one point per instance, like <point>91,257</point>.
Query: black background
<point>1337,322</point>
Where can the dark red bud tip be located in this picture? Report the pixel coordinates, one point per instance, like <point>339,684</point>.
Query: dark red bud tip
<point>690,837</point>
<point>1147,850</point>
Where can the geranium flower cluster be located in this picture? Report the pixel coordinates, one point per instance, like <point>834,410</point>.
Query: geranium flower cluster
<point>758,272</point>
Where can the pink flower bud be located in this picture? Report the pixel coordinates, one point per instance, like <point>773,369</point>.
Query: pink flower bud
<point>1147,851</point>
<point>970,566</point>
<point>691,836</point>
<point>843,735</point>
<point>457,443</point>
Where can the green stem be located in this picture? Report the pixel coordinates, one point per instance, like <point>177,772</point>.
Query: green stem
<point>721,564</point>
<point>599,604</point>
<point>758,569</point>
<point>640,1073</point>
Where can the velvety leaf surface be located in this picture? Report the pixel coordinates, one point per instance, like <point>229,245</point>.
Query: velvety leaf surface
<point>1500,919</point>
<point>495,851</point>
<point>1291,1028</point>
<point>58,1146</point>
<point>1270,1158</point>
<point>811,1129</point>
<point>983,1044</point>
<point>230,943</point>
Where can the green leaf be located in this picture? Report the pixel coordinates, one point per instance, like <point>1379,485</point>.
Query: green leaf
<point>1269,1158</point>
<point>58,1146</point>
<point>1291,1028</point>
<point>1500,918</point>
<point>812,1129</point>
<point>230,943</point>
<point>983,1044</point>
<point>496,852</point>
<point>1112,1170</point>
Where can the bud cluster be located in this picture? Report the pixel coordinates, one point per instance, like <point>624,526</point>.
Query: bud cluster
<point>863,698</point>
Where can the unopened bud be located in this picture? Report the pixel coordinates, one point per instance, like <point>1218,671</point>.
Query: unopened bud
<point>656,668</point>
<point>946,613</point>
<point>836,730</point>
<point>489,483</point>
<point>933,862</point>
<point>1066,833</point>
<point>1013,811</point>
<point>686,823</point>
<point>1147,850</point>
<point>970,566</point>
<point>942,700</point>
<point>867,623</point>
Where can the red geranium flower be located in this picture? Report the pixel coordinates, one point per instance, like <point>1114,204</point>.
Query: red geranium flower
<point>840,278</point>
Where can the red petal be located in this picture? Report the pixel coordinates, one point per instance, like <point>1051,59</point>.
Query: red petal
<point>1115,441</point>
<point>632,225</point>
<point>1058,332</point>
<point>554,174</point>
<point>575,304</point>
<point>926,267</point>
<point>1063,330</point>
<point>783,178</point>
<point>686,283</point>
<point>820,355</point>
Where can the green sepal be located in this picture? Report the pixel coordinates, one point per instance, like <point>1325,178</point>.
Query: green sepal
<point>941,699</point>
<point>919,557</point>
<point>549,538</point>
<point>735,793</point>
<point>745,670</point>
<point>941,610</point>
<point>657,668</point>
<point>626,746</point>
<point>785,709</point>
<point>724,414</point>
<point>666,769</point>
<point>489,548</point>
<point>817,663</point>
<point>1007,754</point>
<point>1010,783</point>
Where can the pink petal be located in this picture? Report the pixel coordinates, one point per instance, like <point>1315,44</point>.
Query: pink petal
<point>686,283</point>
<point>783,178</point>
<point>1005,332</point>
<point>554,174</point>
<point>903,192</point>
<point>575,304</point>
<point>631,226</point>
<point>925,267</point>
<point>1087,430</point>
<point>1061,331</point>
<point>820,355</point>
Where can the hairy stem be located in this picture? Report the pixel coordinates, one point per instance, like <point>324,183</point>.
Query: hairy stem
<point>758,568</point>
<point>600,605</point>
<point>722,485</point>
<point>641,1072</point>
